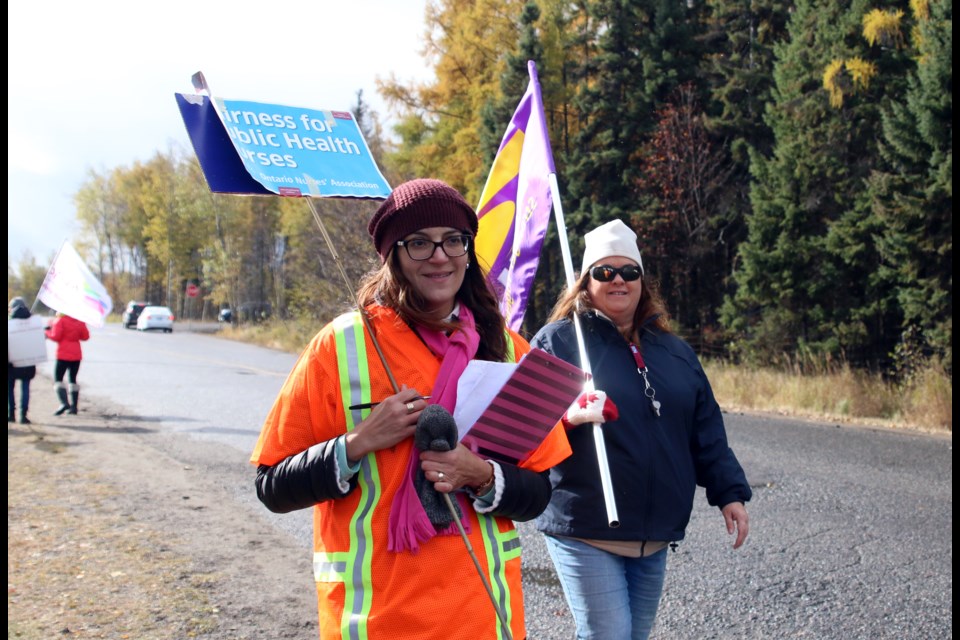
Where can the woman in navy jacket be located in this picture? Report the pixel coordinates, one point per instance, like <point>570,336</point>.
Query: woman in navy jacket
<point>664,435</point>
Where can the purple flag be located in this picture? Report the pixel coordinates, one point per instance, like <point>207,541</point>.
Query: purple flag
<point>515,205</point>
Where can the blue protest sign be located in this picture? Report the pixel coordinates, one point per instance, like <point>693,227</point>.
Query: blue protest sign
<point>255,148</point>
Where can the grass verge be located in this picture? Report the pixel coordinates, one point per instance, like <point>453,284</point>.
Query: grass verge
<point>832,393</point>
<point>839,394</point>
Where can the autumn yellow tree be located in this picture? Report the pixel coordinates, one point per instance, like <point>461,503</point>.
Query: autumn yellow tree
<point>439,134</point>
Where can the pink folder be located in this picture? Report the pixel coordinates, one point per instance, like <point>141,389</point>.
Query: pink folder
<point>526,408</point>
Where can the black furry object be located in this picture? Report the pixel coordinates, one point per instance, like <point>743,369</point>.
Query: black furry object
<point>436,431</point>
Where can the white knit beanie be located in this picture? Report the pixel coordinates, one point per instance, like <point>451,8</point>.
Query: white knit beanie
<point>611,239</point>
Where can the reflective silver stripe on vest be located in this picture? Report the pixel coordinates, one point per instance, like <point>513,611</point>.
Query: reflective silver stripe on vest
<point>353,567</point>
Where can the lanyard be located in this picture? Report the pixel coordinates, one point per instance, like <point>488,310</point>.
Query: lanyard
<point>648,391</point>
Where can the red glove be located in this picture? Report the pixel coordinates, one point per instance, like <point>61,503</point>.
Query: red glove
<point>591,406</point>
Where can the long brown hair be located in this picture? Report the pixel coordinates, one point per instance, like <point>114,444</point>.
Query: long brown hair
<point>651,305</point>
<point>387,286</point>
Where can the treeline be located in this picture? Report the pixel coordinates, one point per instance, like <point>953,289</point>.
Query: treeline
<point>787,165</point>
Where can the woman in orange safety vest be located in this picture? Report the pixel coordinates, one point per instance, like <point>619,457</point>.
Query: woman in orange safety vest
<point>386,563</point>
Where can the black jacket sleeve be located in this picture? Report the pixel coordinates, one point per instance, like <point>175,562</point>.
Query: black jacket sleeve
<point>525,493</point>
<point>302,480</point>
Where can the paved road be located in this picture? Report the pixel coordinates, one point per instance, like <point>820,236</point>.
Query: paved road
<point>850,527</point>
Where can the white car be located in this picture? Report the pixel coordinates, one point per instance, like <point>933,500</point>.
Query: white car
<point>155,318</point>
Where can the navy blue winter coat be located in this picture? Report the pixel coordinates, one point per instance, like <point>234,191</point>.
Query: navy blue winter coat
<point>655,462</point>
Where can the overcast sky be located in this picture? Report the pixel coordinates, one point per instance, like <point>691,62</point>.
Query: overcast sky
<point>91,84</point>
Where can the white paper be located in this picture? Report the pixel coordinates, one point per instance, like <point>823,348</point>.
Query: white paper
<point>26,342</point>
<point>478,386</point>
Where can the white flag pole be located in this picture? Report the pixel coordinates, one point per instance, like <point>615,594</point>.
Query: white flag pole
<point>606,482</point>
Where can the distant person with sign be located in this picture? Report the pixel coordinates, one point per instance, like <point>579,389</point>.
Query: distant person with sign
<point>664,433</point>
<point>68,333</point>
<point>343,437</point>
<point>17,309</point>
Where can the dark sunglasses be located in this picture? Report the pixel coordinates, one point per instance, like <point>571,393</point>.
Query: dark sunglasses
<point>606,273</point>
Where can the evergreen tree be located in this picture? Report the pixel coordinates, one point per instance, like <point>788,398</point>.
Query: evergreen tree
<point>737,67</point>
<point>806,277</point>
<point>912,192</point>
<point>644,48</point>
<point>498,110</point>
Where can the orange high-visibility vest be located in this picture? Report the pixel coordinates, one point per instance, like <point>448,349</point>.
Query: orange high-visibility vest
<point>365,591</point>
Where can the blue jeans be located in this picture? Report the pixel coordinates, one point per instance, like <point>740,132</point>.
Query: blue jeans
<point>612,597</point>
<point>24,396</point>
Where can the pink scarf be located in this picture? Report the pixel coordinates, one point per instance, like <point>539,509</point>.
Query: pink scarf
<point>409,524</point>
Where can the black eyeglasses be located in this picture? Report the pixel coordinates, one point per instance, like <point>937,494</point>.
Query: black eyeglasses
<point>422,249</point>
<point>606,273</point>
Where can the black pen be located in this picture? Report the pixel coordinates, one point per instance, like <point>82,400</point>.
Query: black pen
<point>371,405</point>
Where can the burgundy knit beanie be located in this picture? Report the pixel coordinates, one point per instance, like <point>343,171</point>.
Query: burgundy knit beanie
<point>419,204</point>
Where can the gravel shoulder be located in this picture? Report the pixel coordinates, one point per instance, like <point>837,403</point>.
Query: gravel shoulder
<point>120,530</point>
<point>117,531</point>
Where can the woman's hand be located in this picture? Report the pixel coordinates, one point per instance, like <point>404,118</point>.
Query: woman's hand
<point>391,421</point>
<point>590,407</point>
<point>450,470</point>
<point>736,518</point>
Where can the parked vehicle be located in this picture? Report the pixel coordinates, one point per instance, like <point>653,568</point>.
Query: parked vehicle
<point>226,315</point>
<point>155,318</point>
<point>132,312</point>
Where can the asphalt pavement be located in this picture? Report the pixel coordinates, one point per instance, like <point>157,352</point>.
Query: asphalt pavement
<point>850,527</point>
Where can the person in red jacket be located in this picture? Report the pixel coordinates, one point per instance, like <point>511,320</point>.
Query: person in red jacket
<point>67,332</point>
